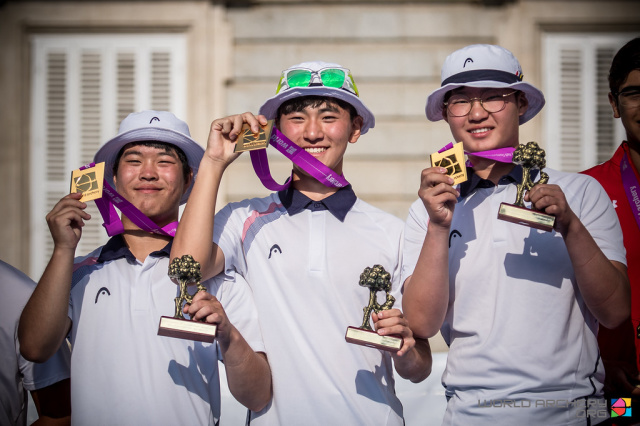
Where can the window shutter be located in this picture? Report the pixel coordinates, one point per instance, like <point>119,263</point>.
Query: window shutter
<point>580,130</point>
<point>83,86</point>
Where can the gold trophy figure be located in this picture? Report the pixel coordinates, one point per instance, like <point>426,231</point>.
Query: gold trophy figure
<point>186,270</point>
<point>376,279</point>
<point>530,157</point>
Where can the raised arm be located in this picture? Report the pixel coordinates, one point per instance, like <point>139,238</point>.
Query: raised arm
<point>426,291</point>
<point>45,322</point>
<point>603,283</point>
<point>195,233</point>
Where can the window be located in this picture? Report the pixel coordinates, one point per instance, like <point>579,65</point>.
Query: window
<point>83,85</point>
<point>580,130</point>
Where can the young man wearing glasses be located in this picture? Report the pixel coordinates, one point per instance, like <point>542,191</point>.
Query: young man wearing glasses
<point>302,251</point>
<point>620,178</point>
<point>519,307</point>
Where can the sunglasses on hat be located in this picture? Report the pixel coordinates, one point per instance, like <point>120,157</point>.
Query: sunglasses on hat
<point>338,78</point>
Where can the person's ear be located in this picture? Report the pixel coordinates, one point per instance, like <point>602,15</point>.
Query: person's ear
<point>523,104</point>
<point>356,129</point>
<point>444,114</point>
<point>614,104</point>
<point>187,182</point>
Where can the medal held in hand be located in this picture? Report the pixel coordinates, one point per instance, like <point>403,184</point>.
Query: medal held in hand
<point>186,270</point>
<point>453,161</point>
<point>530,157</point>
<point>249,141</point>
<point>376,279</point>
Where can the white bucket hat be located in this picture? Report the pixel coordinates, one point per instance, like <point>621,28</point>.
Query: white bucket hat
<point>483,65</point>
<point>347,93</point>
<point>157,126</point>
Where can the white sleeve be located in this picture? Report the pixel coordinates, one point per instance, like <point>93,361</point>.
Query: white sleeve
<point>414,233</point>
<point>597,214</point>
<point>237,300</point>
<point>227,234</point>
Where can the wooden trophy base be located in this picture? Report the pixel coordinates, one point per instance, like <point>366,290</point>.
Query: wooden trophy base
<point>526,217</point>
<point>372,339</point>
<point>186,329</point>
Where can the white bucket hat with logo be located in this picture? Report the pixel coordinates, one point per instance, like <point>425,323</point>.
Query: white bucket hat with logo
<point>154,126</point>
<point>316,87</point>
<point>483,65</point>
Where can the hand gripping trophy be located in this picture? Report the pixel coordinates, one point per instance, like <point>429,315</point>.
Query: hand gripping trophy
<point>186,271</point>
<point>530,157</point>
<point>376,279</point>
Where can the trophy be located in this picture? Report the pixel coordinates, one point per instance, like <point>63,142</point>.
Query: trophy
<point>376,279</point>
<point>186,270</point>
<point>530,157</point>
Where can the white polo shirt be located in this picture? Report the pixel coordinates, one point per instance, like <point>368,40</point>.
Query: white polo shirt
<point>17,375</point>
<point>522,342</point>
<point>303,266</point>
<point>123,372</point>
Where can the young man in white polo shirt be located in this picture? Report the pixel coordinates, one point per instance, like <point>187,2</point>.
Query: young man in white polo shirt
<point>111,300</point>
<point>302,251</point>
<point>519,307</point>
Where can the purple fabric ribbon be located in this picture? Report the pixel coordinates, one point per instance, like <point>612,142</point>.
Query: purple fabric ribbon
<point>630,183</point>
<point>503,155</point>
<point>112,223</point>
<point>298,156</point>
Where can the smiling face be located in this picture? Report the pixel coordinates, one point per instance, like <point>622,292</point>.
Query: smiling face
<point>323,130</point>
<point>481,130</point>
<point>152,179</point>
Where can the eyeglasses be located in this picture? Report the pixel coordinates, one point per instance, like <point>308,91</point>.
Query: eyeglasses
<point>339,78</point>
<point>629,97</point>
<point>460,105</point>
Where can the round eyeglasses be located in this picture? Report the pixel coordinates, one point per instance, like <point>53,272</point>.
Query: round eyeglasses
<point>460,105</point>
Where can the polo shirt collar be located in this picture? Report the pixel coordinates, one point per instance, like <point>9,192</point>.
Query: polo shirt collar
<point>474,181</point>
<point>117,248</point>
<point>338,203</point>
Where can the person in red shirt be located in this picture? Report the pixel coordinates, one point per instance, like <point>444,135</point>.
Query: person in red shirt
<point>619,176</point>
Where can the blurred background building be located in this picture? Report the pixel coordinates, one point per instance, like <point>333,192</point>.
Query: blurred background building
<point>70,71</point>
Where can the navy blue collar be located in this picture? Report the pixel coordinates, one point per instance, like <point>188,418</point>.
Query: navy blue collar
<point>117,248</point>
<point>474,181</point>
<point>338,203</point>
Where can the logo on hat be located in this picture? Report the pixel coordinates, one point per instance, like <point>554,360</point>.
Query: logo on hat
<point>154,118</point>
<point>467,60</point>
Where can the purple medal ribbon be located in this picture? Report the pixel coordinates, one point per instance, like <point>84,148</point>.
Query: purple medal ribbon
<point>112,223</point>
<point>502,155</point>
<point>298,156</point>
<point>630,183</point>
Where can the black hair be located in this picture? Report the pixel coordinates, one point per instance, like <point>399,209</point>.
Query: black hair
<point>302,102</point>
<point>626,60</point>
<point>186,169</point>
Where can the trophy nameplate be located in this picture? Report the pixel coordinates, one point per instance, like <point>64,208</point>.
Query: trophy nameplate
<point>249,141</point>
<point>376,279</point>
<point>89,181</point>
<point>452,160</point>
<point>530,157</point>
<point>186,270</point>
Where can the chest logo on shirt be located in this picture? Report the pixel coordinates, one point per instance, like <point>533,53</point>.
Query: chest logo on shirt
<point>453,234</point>
<point>615,203</point>
<point>274,249</point>
<point>103,290</point>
